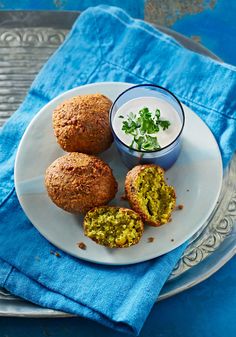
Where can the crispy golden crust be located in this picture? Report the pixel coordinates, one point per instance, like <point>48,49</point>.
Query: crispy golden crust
<point>78,182</point>
<point>107,211</point>
<point>82,124</point>
<point>131,193</point>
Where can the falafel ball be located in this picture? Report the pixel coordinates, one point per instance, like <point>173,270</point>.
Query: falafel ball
<point>81,124</point>
<point>149,195</point>
<point>78,182</point>
<point>113,227</point>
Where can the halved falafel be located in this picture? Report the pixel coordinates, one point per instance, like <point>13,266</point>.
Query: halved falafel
<point>81,124</point>
<point>113,227</point>
<point>149,195</point>
<point>78,182</point>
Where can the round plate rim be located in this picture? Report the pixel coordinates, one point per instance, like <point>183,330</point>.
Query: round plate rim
<point>138,260</point>
<point>15,310</point>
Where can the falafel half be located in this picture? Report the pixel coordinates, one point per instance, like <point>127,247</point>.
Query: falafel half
<point>81,124</point>
<point>149,195</point>
<point>113,227</point>
<point>78,182</point>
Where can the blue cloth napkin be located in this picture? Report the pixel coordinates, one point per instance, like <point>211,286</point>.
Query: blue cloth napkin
<point>105,44</point>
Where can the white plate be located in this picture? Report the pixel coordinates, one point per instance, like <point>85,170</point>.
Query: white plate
<point>196,176</point>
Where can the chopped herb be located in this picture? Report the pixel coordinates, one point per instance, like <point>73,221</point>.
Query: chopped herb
<point>158,113</point>
<point>130,127</point>
<point>147,123</point>
<point>131,145</point>
<point>142,126</point>
<point>121,116</point>
<point>139,141</point>
<point>151,143</point>
<point>164,124</point>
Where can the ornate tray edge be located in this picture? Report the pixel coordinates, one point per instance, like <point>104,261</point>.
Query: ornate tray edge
<point>166,293</point>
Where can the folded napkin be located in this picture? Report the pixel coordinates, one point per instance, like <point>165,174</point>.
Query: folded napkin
<point>104,45</point>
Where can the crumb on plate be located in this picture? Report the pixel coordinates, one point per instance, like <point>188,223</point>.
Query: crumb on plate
<point>123,197</point>
<point>82,245</point>
<point>151,239</point>
<point>180,207</point>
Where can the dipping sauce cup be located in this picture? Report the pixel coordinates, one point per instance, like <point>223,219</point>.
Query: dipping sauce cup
<point>152,97</point>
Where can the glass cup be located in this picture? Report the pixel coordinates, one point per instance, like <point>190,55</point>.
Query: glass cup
<point>165,156</point>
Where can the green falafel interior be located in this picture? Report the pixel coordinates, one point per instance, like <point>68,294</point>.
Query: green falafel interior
<point>155,197</point>
<point>113,227</point>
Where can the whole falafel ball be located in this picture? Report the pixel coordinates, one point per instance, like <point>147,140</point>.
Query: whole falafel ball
<point>82,124</point>
<point>77,182</point>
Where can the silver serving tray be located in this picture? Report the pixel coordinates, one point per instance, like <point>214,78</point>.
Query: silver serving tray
<point>27,39</point>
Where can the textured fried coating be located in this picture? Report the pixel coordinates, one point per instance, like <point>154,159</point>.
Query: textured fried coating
<point>78,182</point>
<point>81,124</point>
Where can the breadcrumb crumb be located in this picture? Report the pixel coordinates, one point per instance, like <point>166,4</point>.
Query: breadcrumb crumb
<point>123,197</point>
<point>52,252</point>
<point>151,239</point>
<point>82,245</point>
<point>179,207</point>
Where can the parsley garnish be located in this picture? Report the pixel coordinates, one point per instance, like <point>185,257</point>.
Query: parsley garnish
<point>131,125</point>
<point>146,142</point>
<point>142,126</point>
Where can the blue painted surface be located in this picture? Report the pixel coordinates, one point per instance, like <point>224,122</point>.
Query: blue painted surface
<point>133,7</point>
<point>207,310</point>
<point>216,29</point>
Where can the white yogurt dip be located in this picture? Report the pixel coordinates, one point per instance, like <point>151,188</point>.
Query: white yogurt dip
<point>167,112</point>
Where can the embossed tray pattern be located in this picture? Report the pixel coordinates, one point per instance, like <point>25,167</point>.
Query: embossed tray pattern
<point>27,39</point>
